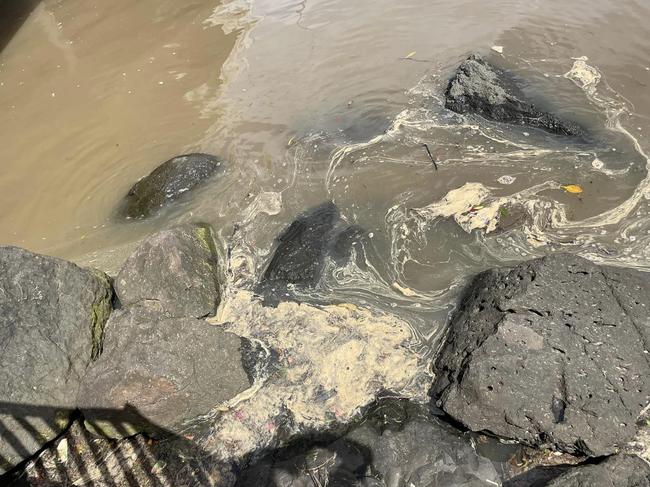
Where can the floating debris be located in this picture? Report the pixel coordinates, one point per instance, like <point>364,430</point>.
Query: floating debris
<point>572,188</point>
<point>506,180</point>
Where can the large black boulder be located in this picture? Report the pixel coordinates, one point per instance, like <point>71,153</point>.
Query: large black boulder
<point>52,317</point>
<point>168,182</point>
<point>553,352</point>
<point>480,88</point>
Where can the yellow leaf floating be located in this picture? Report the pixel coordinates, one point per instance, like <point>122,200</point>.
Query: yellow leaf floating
<point>410,55</point>
<point>572,188</point>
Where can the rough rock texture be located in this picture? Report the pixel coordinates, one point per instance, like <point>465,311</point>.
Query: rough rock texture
<point>552,352</point>
<point>388,449</point>
<point>477,87</point>
<point>171,370</point>
<point>167,183</point>
<point>302,248</point>
<point>615,471</point>
<point>175,271</point>
<point>52,316</point>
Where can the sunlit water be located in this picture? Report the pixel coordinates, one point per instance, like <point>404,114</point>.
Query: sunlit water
<point>329,99</point>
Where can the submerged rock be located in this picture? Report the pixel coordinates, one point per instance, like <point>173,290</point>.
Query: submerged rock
<point>52,317</point>
<point>170,369</point>
<point>412,449</point>
<point>551,353</point>
<point>482,89</point>
<point>175,271</point>
<point>167,183</point>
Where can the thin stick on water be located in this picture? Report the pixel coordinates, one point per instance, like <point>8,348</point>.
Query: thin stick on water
<point>431,156</point>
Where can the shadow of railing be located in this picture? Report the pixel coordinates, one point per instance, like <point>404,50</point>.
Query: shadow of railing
<point>13,14</point>
<point>77,456</point>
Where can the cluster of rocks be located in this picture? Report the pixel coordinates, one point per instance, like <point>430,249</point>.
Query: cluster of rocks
<point>551,354</point>
<point>114,381</point>
<point>71,340</point>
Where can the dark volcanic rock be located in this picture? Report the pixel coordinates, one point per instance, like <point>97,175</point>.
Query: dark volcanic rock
<point>171,370</point>
<point>167,183</point>
<point>300,254</point>
<point>299,257</point>
<point>552,352</point>
<point>615,471</point>
<point>52,317</point>
<point>477,87</point>
<point>175,271</point>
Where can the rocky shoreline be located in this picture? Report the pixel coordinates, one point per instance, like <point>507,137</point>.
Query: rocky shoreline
<point>166,376</point>
<point>550,354</point>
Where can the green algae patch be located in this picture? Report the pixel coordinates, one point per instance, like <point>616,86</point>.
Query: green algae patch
<point>100,310</point>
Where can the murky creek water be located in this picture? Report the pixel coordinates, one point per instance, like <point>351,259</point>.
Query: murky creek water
<point>328,99</point>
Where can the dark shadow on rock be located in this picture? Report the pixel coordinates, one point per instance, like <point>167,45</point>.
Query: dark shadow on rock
<point>13,14</point>
<point>77,456</point>
<point>395,442</point>
<point>310,461</point>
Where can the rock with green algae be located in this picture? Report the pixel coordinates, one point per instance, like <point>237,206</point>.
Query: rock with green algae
<point>52,317</point>
<point>158,358</point>
<point>168,182</point>
<point>175,271</point>
<point>169,370</point>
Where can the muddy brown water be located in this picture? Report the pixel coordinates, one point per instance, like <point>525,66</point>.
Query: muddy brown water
<point>326,99</point>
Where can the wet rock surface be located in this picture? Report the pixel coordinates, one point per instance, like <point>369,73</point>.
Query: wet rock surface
<point>551,353</point>
<point>302,248</point>
<point>615,471</point>
<point>175,271</point>
<point>168,182</point>
<point>482,89</point>
<point>170,369</point>
<point>396,444</point>
<point>52,317</point>
<point>158,357</point>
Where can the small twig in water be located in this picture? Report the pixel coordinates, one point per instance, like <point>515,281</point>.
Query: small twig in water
<point>431,156</point>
